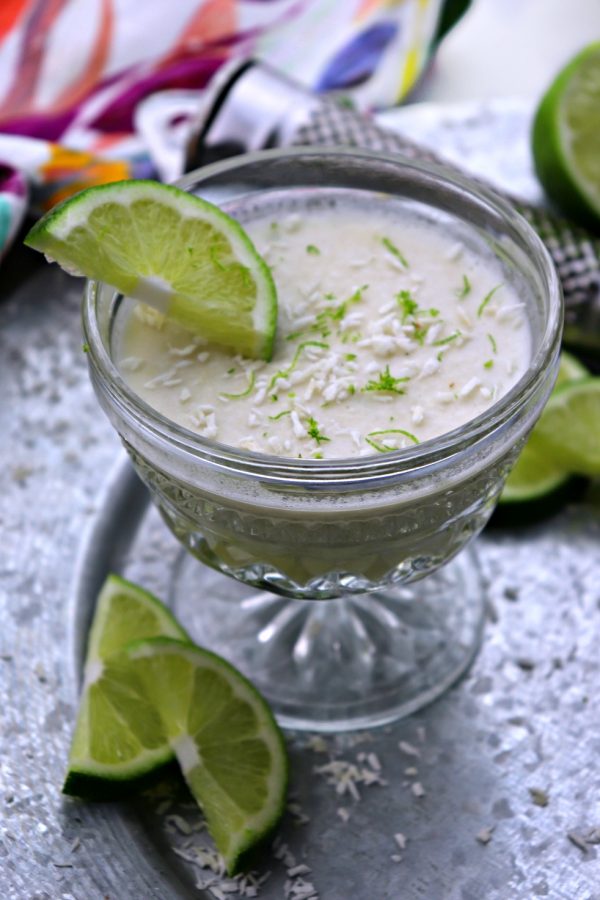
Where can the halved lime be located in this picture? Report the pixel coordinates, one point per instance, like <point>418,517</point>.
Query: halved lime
<point>566,138</point>
<point>118,743</point>
<point>171,250</point>
<point>228,745</point>
<point>570,427</point>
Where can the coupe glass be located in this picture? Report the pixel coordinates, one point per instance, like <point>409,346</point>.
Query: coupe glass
<point>342,614</point>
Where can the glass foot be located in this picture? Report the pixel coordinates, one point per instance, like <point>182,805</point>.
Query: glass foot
<point>345,664</point>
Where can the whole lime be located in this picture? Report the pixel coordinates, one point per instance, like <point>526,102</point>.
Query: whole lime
<point>566,138</point>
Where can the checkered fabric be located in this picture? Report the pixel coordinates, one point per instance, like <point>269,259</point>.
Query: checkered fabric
<point>575,252</point>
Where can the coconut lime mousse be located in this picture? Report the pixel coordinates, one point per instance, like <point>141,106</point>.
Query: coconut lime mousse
<point>390,333</point>
<point>346,455</point>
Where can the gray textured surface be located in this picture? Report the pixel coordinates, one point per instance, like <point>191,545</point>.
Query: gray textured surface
<point>526,717</point>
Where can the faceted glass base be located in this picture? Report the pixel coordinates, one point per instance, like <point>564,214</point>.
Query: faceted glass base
<point>344,664</point>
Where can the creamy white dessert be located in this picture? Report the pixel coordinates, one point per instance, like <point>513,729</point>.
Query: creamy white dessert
<point>390,333</point>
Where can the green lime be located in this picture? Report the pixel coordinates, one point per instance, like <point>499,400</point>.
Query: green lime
<point>534,475</point>
<point>125,612</point>
<point>538,484</point>
<point>228,745</point>
<point>566,138</point>
<point>570,369</point>
<point>570,427</point>
<point>171,250</point>
<point>118,743</point>
<point>536,488</point>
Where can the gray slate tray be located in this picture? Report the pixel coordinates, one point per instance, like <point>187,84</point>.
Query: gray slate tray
<point>524,721</point>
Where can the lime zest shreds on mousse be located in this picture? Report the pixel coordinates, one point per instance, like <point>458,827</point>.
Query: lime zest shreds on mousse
<point>244,393</point>
<point>465,289</point>
<point>230,749</point>
<point>314,431</point>
<point>565,143</point>
<point>395,251</point>
<point>373,440</point>
<point>107,758</point>
<point>171,250</point>
<point>283,373</point>
<point>387,382</point>
<point>486,300</point>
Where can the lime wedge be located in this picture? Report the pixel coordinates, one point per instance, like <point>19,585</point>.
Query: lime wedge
<point>534,475</point>
<point>566,138</point>
<point>228,745</point>
<point>570,427</point>
<point>118,743</point>
<point>538,484</point>
<point>171,250</point>
<point>570,369</point>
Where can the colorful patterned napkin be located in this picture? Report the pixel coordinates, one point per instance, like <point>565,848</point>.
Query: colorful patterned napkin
<point>72,73</point>
<point>14,194</point>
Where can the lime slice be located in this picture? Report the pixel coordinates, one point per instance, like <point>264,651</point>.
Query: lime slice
<point>570,427</point>
<point>118,743</point>
<point>538,484</point>
<point>566,138</point>
<point>536,488</point>
<point>534,474</point>
<point>171,250</point>
<point>228,745</point>
<point>570,369</point>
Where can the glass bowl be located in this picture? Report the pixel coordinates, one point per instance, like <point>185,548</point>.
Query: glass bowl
<point>359,532</point>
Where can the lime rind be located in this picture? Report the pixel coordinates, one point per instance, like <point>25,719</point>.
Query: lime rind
<point>217,758</point>
<point>534,475</point>
<point>92,781</point>
<point>161,245</point>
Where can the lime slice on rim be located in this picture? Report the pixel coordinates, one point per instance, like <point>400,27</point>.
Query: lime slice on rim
<point>228,745</point>
<point>118,745</point>
<point>566,138</point>
<point>171,250</point>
